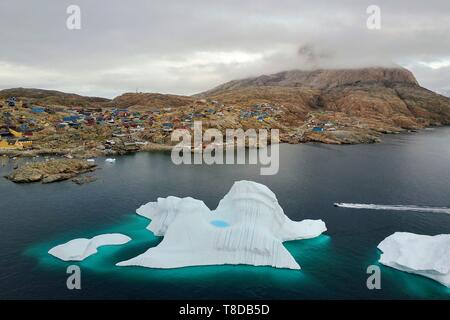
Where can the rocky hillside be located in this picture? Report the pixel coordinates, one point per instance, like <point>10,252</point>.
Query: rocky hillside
<point>320,79</point>
<point>52,97</point>
<point>330,106</point>
<point>149,101</point>
<point>381,99</point>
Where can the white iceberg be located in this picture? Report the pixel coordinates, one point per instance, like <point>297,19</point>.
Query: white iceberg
<point>248,227</point>
<point>428,256</point>
<point>80,249</point>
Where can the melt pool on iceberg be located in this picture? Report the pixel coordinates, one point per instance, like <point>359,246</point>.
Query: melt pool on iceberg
<point>247,227</point>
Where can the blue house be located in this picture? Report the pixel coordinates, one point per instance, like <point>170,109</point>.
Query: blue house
<point>317,129</point>
<point>167,126</point>
<point>71,118</point>
<point>24,128</point>
<point>37,109</point>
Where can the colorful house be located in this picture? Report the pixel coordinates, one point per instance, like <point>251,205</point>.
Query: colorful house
<point>10,144</point>
<point>167,126</point>
<point>71,118</point>
<point>36,109</point>
<point>15,133</point>
<point>11,101</point>
<point>317,129</point>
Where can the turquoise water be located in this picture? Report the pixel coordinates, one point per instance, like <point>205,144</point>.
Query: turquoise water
<point>404,170</point>
<point>134,226</point>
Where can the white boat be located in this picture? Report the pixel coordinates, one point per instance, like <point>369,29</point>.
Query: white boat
<point>110,160</point>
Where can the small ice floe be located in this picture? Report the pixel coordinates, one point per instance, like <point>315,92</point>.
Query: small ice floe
<point>80,249</point>
<point>110,160</point>
<point>428,256</point>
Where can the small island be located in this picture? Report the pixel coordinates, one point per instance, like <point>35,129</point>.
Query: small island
<point>51,170</point>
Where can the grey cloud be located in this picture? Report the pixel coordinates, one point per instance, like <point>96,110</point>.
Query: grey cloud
<point>157,45</point>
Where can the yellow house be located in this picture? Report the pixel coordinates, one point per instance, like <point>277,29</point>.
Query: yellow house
<point>25,144</point>
<point>15,133</point>
<point>5,144</point>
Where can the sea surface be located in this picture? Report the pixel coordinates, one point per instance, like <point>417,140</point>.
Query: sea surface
<point>405,169</point>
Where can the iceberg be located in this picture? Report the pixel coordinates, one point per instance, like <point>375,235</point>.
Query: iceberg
<point>247,227</point>
<point>80,249</point>
<point>428,256</point>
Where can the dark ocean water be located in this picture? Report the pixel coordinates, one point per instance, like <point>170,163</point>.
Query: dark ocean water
<point>407,169</point>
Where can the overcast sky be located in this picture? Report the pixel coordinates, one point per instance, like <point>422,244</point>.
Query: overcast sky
<point>185,47</point>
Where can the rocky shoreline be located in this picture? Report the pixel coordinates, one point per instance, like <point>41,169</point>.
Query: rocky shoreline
<point>339,137</point>
<point>65,168</point>
<point>50,171</point>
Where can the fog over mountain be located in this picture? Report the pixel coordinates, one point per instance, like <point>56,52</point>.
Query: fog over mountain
<point>186,47</point>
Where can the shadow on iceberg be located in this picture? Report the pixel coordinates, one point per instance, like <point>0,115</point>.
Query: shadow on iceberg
<point>248,227</point>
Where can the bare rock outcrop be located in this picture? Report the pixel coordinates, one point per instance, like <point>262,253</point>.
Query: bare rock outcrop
<point>50,171</point>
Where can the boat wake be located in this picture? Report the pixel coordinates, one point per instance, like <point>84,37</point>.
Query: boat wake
<point>393,207</point>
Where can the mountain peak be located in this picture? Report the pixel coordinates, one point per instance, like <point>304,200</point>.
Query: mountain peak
<point>321,78</point>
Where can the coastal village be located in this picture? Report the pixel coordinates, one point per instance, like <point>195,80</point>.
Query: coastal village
<point>70,131</point>
<point>27,128</point>
<point>69,138</point>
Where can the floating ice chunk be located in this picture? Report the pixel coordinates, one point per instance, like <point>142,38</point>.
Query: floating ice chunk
<point>248,227</point>
<point>428,256</point>
<point>80,249</point>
